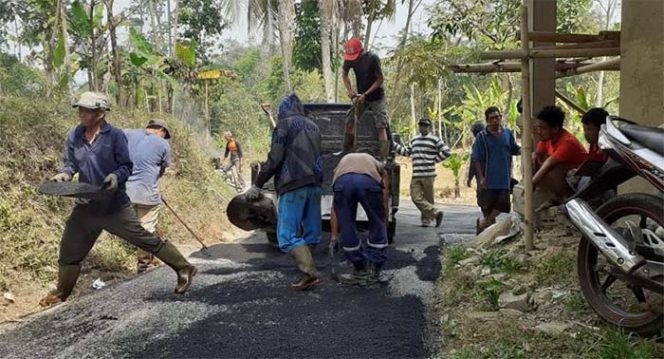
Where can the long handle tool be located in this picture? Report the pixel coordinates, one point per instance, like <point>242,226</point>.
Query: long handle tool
<point>204,250</point>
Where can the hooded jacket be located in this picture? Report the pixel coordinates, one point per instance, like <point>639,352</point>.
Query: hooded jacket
<point>294,159</point>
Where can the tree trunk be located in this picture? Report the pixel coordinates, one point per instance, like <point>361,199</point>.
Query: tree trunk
<point>440,109</point>
<point>367,34</point>
<point>355,15</point>
<point>406,29</point>
<point>326,18</point>
<point>286,22</point>
<point>413,120</point>
<point>510,94</point>
<point>116,61</point>
<point>92,69</point>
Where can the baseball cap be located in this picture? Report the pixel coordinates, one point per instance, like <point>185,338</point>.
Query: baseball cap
<point>93,101</point>
<point>353,49</point>
<point>424,121</point>
<point>159,123</point>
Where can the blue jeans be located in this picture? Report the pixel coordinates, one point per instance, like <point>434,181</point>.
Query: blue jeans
<point>299,221</point>
<point>349,190</point>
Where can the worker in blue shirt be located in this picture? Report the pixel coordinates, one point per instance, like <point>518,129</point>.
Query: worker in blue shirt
<point>98,152</point>
<point>492,155</point>
<point>150,153</point>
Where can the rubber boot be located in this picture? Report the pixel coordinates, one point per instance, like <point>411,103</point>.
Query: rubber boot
<point>170,255</point>
<point>67,277</point>
<point>360,275</point>
<point>375,275</point>
<point>384,150</point>
<point>305,262</point>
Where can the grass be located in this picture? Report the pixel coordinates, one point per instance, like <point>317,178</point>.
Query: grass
<point>555,269</point>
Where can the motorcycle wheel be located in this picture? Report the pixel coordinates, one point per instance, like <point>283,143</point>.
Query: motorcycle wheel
<point>616,301</point>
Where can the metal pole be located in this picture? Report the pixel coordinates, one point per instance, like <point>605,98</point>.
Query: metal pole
<point>526,139</point>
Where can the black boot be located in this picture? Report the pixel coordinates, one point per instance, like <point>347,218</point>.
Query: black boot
<point>170,255</point>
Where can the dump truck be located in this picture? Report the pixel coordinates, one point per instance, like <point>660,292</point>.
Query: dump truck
<point>331,120</point>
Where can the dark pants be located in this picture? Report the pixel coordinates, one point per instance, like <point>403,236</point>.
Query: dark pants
<point>349,190</point>
<point>494,199</point>
<point>84,227</point>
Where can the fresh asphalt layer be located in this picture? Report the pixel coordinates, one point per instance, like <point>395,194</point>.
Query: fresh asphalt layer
<point>241,306</point>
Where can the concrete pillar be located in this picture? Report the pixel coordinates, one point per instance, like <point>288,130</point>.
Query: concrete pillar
<point>642,69</point>
<point>642,61</point>
<point>542,17</point>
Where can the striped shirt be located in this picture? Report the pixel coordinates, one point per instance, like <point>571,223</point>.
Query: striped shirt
<point>425,151</point>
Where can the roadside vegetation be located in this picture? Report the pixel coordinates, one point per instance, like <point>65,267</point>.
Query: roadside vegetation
<point>499,301</point>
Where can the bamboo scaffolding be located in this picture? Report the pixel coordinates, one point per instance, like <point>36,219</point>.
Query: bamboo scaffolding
<point>588,45</point>
<point>543,36</point>
<point>553,52</point>
<point>526,140</point>
<point>563,69</point>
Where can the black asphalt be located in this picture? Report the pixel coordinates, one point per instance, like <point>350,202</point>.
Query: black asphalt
<point>241,306</point>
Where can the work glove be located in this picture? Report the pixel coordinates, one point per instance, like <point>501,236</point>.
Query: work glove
<point>61,177</point>
<point>111,182</point>
<point>253,194</point>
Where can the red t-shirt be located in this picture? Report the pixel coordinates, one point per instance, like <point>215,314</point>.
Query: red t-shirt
<point>566,149</point>
<point>596,154</point>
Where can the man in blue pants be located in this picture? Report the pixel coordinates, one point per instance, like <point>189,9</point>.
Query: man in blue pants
<point>358,179</point>
<point>295,162</point>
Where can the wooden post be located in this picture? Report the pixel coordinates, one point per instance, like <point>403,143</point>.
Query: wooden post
<point>526,138</point>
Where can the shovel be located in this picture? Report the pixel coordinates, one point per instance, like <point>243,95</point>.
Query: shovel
<point>204,250</point>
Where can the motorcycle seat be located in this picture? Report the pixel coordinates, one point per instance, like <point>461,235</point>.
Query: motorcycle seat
<point>650,137</point>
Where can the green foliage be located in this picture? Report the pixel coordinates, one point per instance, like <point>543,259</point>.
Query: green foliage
<point>186,52</point>
<point>307,48</point>
<point>16,78</point>
<point>498,261</point>
<point>491,291</point>
<point>79,21</point>
<point>494,24</point>
<point>200,20</point>
<point>454,163</point>
<point>454,255</point>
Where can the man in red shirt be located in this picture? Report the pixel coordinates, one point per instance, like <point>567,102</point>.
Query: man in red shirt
<point>558,151</point>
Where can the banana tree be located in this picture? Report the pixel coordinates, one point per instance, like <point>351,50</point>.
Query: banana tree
<point>455,163</point>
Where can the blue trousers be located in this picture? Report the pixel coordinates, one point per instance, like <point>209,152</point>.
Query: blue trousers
<point>299,221</point>
<point>349,190</point>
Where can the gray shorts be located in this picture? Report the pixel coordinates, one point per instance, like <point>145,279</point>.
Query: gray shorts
<point>375,111</point>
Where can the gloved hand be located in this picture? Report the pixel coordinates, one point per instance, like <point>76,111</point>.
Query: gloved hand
<point>111,182</point>
<point>254,193</point>
<point>61,177</point>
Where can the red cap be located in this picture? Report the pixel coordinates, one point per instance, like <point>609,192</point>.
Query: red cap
<point>353,49</point>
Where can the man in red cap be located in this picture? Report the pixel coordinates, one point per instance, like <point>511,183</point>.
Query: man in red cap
<point>370,93</point>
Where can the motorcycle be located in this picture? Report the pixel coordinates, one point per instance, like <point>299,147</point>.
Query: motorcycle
<point>620,259</point>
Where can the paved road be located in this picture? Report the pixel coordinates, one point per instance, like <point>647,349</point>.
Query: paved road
<point>240,306</point>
